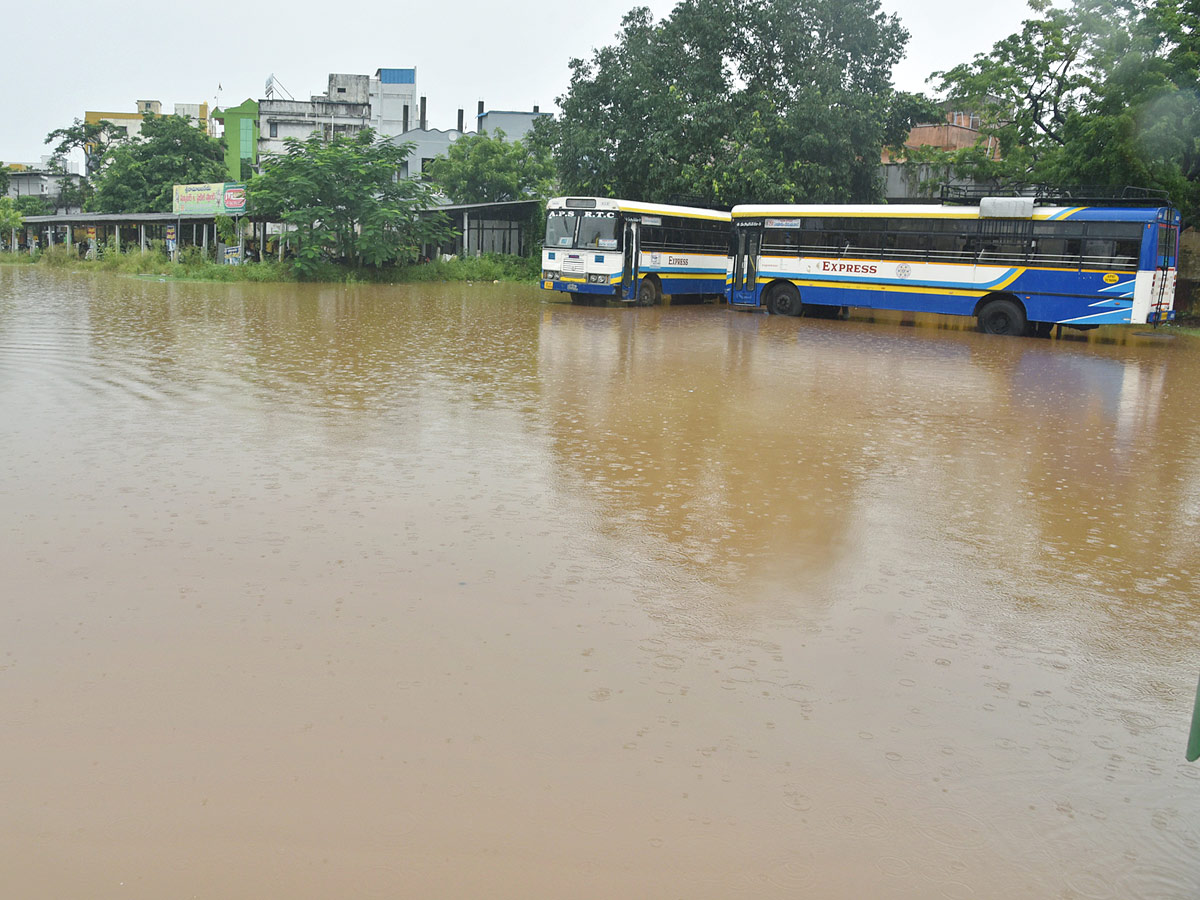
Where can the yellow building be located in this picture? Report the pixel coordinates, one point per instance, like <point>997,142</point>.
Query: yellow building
<point>131,122</point>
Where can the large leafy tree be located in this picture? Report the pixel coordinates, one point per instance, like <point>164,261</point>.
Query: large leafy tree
<point>485,168</point>
<point>10,217</point>
<point>726,101</point>
<point>346,201</point>
<point>1100,93</point>
<point>138,175</point>
<point>92,139</point>
<point>32,205</point>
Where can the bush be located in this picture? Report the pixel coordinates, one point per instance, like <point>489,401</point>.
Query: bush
<point>489,267</point>
<point>194,265</point>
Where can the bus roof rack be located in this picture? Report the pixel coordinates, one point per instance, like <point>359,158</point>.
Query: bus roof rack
<point>1047,195</point>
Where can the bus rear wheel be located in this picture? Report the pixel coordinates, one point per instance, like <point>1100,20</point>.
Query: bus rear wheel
<point>784,300</point>
<point>1001,316</point>
<point>649,292</point>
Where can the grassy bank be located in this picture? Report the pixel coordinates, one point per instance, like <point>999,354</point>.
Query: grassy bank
<point>193,266</point>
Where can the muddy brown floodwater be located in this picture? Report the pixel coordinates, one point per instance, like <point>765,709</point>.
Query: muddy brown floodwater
<point>461,591</point>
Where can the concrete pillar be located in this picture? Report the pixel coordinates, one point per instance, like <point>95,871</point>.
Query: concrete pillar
<point>117,232</point>
<point>142,236</point>
<point>205,237</point>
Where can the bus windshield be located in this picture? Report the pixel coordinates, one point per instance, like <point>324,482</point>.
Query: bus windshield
<point>560,229</point>
<point>582,231</point>
<point>598,231</point>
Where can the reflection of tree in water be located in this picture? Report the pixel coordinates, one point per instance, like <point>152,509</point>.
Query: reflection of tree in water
<point>353,348</point>
<point>650,416</point>
<point>1080,510</point>
<point>766,447</point>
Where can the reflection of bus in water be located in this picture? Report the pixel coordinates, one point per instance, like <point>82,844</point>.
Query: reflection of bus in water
<point>597,248</point>
<point>1015,263</point>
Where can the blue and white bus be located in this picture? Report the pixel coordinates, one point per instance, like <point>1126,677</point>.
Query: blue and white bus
<point>1015,264</point>
<point>598,248</point>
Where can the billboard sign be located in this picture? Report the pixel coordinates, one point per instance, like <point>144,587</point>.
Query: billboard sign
<point>217,199</point>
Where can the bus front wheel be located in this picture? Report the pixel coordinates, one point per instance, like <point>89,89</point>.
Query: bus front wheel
<point>1001,316</point>
<point>784,300</point>
<point>649,293</point>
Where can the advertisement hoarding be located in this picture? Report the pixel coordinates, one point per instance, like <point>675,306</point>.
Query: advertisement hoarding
<point>217,199</point>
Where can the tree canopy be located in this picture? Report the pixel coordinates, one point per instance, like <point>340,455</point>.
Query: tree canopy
<point>484,168</point>
<point>90,138</point>
<point>728,101</point>
<point>1101,93</point>
<point>138,175</point>
<point>346,200</point>
<point>10,217</point>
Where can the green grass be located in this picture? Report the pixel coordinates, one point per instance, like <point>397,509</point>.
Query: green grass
<point>193,266</point>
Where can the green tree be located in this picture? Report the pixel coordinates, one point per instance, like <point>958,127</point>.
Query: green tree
<point>489,169</point>
<point>726,101</point>
<point>92,139</point>
<point>72,194</point>
<point>10,217</point>
<point>138,175</point>
<point>32,205</point>
<point>5,178</point>
<point>346,201</point>
<point>1101,93</point>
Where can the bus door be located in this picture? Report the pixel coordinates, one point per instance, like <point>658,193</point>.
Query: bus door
<point>629,271</point>
<point>1162,291</point>
<point>748,241</point>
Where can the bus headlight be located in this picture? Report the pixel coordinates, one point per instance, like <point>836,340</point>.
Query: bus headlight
<point>597,279</point>
<point>547,275</point>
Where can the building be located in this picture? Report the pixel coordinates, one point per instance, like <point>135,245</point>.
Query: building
<point>130,123</point>
<point>387,102</point>
<point>45,180</point>
<point>427,144</point>
<point>911,182</point>
<point>515,124</point>
<point>960,131</point>
<point>392,94</point>
<point>240,124</point>
<point>345,108</point>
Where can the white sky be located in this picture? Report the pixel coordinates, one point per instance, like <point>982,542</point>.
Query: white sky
<point>69,56</point>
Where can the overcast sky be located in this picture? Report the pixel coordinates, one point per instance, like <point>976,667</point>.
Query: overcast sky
<point>63,58</point>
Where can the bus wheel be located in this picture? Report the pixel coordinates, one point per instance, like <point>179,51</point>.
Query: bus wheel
<point>649,293</point>
<point>784,300</point>
<point>1001,316</point>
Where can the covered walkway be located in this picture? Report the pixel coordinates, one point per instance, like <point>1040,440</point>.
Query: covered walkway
<point>125,230</point>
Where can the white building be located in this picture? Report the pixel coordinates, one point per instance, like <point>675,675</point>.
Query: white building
<point>386,102</point>
<point>393,99</point>
<point>344,108</point>
<point>515,124</point>
<point>44,180</point>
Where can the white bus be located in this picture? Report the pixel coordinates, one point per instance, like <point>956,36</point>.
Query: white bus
<point>1017,264</point>
<point>597,248</point>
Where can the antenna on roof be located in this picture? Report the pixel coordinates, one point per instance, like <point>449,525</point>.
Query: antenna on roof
<point>274,85</point>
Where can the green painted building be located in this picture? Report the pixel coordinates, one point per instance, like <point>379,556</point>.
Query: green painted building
<point>241,138</point>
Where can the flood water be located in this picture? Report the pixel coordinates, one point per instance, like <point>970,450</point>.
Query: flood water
<point>461,591</point>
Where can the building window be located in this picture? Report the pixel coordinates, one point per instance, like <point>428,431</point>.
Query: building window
<point>341,90</point>
<point>274,129</point>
